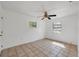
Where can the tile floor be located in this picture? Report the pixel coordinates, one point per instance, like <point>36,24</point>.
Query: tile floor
<point>42,48</point>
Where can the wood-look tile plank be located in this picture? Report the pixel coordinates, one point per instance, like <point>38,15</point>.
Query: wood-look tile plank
<point>36,51</point>
<point>4,53</point>
<point>42,50</point>
<point>12,52</point>
<point>28,51</point>
<point>20,51</point>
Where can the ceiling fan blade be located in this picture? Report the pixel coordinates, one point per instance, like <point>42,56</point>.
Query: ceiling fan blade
<point>49,18</point>
<point>42,18</point>
<point>51,15</point>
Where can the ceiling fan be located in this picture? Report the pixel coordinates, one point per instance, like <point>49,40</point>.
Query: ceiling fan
<point>47,16</point>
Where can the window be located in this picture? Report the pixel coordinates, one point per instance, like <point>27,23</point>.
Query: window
<point>57,27</point>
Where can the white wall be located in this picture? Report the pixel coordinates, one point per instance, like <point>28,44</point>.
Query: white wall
<point>69,32</point>
<point>17,30</point>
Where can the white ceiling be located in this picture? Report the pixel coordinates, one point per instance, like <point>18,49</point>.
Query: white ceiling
<point>61,8</point>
